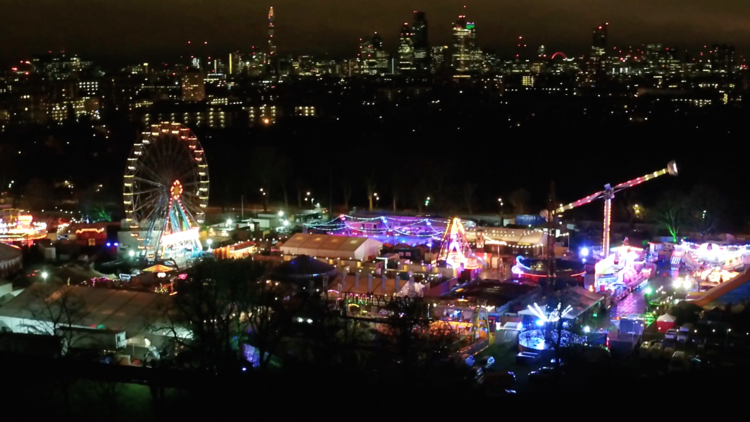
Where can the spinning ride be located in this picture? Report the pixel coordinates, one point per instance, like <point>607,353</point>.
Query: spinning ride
<point>165,192</point>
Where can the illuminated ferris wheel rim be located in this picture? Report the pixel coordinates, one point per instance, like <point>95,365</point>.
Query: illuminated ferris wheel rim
<point>165,158</point>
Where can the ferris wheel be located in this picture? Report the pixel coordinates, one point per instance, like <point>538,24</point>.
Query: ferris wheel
<point>165,192</point>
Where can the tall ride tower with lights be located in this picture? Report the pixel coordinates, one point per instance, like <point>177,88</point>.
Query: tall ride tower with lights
<point>272,62</point>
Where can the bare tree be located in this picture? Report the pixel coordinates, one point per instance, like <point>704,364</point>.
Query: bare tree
<point>346,185</point>
<point>225,305</point>
<point>519,199</point>
<point>55,311</point>
<point>468,192</point>
<point>372,183</point>
<point>706,206</point>
<point>670,212</point>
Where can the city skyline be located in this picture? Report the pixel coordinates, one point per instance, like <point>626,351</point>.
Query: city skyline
<point>301,31</point>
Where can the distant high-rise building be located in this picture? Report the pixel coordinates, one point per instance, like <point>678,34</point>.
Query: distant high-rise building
<point>272,60</point>
<point>599,40</point>
<point>596,66</point>
<point>439,58</point>
<point>521,50</point>
<point>405,63</point>
<point>722,59</point>
<point>466,55</point>
<point>421,45</point>
<point>372,58</point>
<point>193,86</point>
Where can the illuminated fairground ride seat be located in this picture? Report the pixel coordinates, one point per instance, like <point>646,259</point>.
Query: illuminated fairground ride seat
<point>536,268</point>
<point>455,250</point>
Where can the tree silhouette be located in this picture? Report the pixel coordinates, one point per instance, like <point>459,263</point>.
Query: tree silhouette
<point>519,199</point>
<point>671,212</point>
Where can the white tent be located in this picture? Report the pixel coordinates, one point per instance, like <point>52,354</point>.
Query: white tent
<point>324,246</point>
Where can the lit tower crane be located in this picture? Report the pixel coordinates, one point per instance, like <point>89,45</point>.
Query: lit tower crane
<point>607,194</point>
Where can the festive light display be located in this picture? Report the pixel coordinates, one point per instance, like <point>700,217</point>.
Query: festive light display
<point>608,194</point>
<point>165,191</point>
<point>385,226</point>
<point>455,249</point>
<point>553,316</point>
<point>15,226</point>
<point>625,266</point>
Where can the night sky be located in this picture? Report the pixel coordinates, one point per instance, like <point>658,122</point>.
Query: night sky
<point>136,29</point>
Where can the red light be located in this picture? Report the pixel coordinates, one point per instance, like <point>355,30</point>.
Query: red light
<point>27,73</point>
<point>600,27</point>
<point>188,42</point>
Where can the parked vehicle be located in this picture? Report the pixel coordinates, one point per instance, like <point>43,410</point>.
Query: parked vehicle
<point>699,363</point>
<point>683,336</point>
<point>542,378</point>
<point>485,362</point>
<point>679,362</point>
<point>669,350</point>
<point>645,350</point>
<point>656,350</point>
<point>671,334</point>
<point>497,382</point>
<point>527,358</point>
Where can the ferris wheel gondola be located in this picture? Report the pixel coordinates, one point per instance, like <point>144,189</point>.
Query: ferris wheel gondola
<point>165,192</point>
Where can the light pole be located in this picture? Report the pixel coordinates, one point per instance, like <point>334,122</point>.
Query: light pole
<point>502,222</point>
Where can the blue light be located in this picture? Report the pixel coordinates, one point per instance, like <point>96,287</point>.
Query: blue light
<point>539,322</point>
<point>244,369</point>
<point>117,244</point>
<point>584,251</point>
<point>109,244</point>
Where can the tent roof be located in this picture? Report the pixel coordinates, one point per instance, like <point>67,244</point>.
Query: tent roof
<point>666,318</point>
<point>296,240</point>
<point>8,253</point>
<point>158,268</point>
<point>303,267</point>
<point>116,310</point>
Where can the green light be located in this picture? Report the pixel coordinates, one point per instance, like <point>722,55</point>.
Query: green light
<point>648,290</point>
<point>595,315</point>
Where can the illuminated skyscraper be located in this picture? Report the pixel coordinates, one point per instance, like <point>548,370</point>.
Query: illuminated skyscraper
<point>372,59</point>
<point>193,86</point>
<point>722,59</point>
<point>421,46</point>
<point>406,62</point>
<point>599,40</point>
<point>466,56</point>
<point>597,59</point>
<point>272,62</point>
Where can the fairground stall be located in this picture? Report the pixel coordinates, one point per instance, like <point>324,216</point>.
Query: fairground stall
<point>624,270</point>
<point>702,256</point>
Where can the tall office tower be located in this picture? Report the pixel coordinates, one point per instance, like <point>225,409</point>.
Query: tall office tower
<point>421,45</point>
<point>521,50</point>
<point>371,59</point>
<point>193,85</point>
<point>272,62</point>
<point>597,59</point>
<point>406,50</point>
<point>599,40</point>
<point>466,56</point>
<point>722,59</point>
